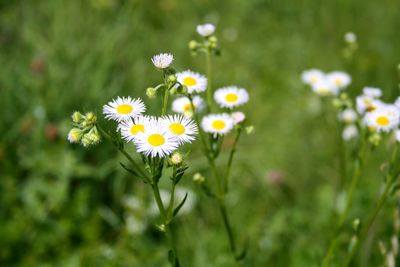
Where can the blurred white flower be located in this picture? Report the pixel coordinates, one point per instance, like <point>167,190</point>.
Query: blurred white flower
<point>366,104</point>
<point>312,76</point>
<point>373,92</point>
<point>383,119</point>
<point>350,37</point>
<point>162,60</point>
<point>325,88</point>
<point>231,96</point>
<point>397,135</point>
<point>349,132</point>
<point>205,30</point>
<point>134,226</point>
<point>339,79</point>
<point>347,116</point>
<point>238,117</point>
<point>217,124</point>
<point>182,105</point>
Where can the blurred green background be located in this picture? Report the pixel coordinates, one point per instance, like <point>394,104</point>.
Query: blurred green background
<point>62,205</point>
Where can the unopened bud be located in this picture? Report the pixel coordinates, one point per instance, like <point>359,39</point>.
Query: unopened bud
<point>193,45</point>
<point>213,39</point>
<point>172,78</point>
<point>198,178</point>
<point>151,92</point>
<point>249,129</point>
<point>74,135</point>
<point>76,117</point>
<point>176,159</point>
<point>375,139</point>
<point>356,224</point>
<point>90,118</point>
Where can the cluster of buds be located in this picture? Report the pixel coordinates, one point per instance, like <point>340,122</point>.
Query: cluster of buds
<point>84,129</point>
<point>351,47</point>
<point>210,42</point>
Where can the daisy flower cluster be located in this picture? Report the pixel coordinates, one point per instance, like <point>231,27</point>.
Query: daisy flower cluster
<point>326,84</point>
<point>152,136</point>
<point>379,117</point>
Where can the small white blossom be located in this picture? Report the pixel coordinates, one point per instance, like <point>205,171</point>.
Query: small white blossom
<point>163,60</point>
<point>205,30</point>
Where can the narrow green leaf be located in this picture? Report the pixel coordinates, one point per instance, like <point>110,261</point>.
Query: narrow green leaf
<point>176,210</point>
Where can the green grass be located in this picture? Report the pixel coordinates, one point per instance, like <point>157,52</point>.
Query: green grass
<point>62,205</point>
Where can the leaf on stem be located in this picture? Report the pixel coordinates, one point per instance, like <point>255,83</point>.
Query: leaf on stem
<point>176,210</point>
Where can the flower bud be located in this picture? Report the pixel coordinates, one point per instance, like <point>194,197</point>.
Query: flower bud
<point>193,45</point>
<point>76,117</point>
<point>90,118</point>
<point>176,159</point>
<point>249,129</point>
<point>213,39</point>
<point>151,92</point>
<point>74,135</point>
<point>85,141</point>
<point>198,178</point>
<point>375,139</point>
<point>172,78</point>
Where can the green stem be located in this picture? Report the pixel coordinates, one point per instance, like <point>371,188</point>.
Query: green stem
<point>123,151</point>
<point>230,160</point>
<point>389,179</point>
<point>165,101</point>
<point>209,80</point>
<point>228,228</point>
<point>349,199</point>
<point>164,216</point>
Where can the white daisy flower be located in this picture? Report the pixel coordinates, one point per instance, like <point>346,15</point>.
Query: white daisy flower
<point>339,79</point>
<point>325,88</point>
<point>163,60</point>
<point>182,105</point>
<point>383,119</point>
<point>122,109</point>
<point>231,96</point>
<point>347,116</point>
<point>183,128</point>
<point>205,30</point>
<point>155,140</point>
<point>372,92</point>
<point>217,124</point>
<point>312,76</point>
<point>349,132</point>
<point>132,127</point>
<point>367,103</point>
<point>195,82</point>
<point>238,117</point>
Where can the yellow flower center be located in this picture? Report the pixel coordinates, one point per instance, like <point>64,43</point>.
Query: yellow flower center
<point>135,129</point>
<point>189,81</point>
<point>218,124</point>
<point>187,107</point>
<point>156,140</point>
<point>231,97</point>
<point>177,128</point>
<point>124,109</point>
<point>338,82</point>
<point>382,121</point>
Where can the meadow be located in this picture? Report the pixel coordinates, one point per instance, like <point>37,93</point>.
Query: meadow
<point>63,205</point>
